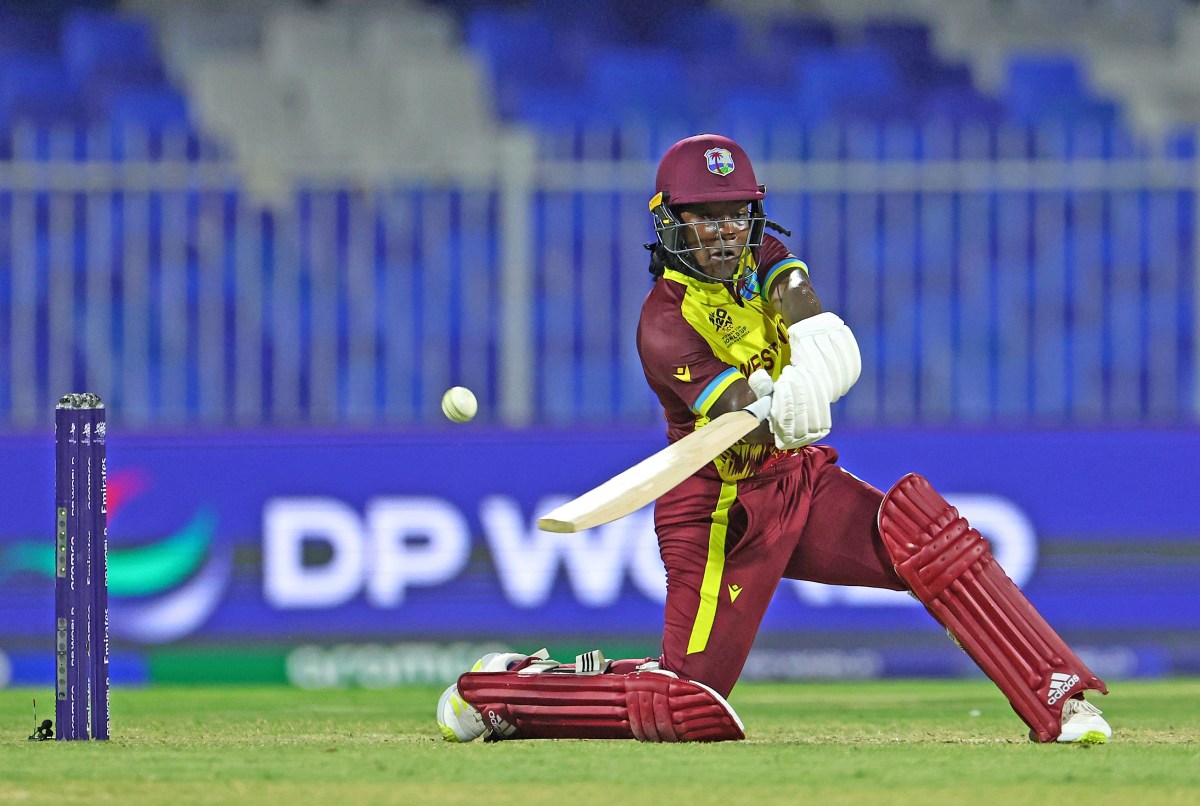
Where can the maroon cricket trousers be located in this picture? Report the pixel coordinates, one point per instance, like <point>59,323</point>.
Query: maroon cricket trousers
<point>726,546</point>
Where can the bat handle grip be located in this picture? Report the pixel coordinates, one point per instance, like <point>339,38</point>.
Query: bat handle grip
<point>760,408</point>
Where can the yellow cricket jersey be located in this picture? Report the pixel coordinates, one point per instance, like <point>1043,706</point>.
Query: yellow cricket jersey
<point>695,339</point>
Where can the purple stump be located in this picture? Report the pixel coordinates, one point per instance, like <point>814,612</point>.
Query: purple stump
<point>81,575</point>
<point>99,626</point>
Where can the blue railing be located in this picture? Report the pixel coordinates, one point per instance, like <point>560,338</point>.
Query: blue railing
<point>987,286</point>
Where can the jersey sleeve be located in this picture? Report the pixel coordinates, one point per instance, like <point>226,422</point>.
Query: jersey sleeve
<point>774,259</point>
<point>680,365</point>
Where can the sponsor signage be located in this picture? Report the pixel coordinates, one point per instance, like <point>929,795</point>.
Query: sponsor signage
<point>431,536</point>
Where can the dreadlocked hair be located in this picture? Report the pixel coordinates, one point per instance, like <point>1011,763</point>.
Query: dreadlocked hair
<point>659,259</point>
<point>779,228</point>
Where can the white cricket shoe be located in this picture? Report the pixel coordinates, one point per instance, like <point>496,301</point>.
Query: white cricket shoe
<point>1082,724</point>
<point>458,720</point>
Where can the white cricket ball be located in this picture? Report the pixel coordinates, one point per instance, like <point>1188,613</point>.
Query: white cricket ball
<point>459,404</point>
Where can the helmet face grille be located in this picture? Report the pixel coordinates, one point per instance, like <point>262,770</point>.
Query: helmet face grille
<point>673,233</point>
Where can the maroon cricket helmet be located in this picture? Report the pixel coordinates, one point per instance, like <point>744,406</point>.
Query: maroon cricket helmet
<point>706,168</point>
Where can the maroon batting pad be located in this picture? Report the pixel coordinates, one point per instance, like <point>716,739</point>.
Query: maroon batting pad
<point>950,568</point>
<point>647,706</point>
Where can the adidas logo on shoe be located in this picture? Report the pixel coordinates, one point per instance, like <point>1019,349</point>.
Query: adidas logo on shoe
<point>1060,684</point>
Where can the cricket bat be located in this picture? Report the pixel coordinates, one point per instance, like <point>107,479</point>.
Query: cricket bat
<point>655,475</point>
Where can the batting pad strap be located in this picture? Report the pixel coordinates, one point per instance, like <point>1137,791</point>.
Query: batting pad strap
<point>592,662</point>
<point>948,566</point>
<point>647,706</point>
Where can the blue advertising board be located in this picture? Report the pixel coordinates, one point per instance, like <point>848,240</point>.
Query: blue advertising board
<point>431,536</point>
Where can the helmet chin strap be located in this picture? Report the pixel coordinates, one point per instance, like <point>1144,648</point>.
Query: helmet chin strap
<point>732,284</point>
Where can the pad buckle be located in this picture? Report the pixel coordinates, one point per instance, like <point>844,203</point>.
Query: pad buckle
<point>592,662</point>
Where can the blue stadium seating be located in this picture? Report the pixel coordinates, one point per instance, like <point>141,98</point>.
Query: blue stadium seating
<point>905,41</point>
<point>803,69</point>
<point>851,84</point>
<point>97,42</point>
<point>787,36</point>
<point>1052,88</point>
<point>640,83</point>
<point>27,32</point>
<point>712,32</point>
<point>521,55</point>
<point>36,87</point>
<point>81,64</point>
<point>155,106</point>
<point>836,91</point>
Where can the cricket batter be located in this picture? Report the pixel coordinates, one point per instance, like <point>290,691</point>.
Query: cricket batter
<point>733,317</point>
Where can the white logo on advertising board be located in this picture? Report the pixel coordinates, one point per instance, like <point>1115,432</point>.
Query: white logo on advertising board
<point>399,543</point>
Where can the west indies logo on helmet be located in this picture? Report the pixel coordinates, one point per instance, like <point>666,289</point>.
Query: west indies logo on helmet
<point>701,170</point>
<point>720,161</point>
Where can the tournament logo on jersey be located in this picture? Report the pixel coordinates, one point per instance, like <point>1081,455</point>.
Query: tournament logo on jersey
<point>721,320</point>
<point>720,161</point>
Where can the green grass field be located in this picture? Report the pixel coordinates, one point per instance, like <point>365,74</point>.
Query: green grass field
<point>875,742</point>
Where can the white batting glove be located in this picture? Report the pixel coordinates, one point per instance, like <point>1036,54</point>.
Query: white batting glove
<point>799,408</point>
<point>760,381</point>
<point>826,345</point>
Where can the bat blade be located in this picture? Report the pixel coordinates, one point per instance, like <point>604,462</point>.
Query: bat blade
<point>655,475</point>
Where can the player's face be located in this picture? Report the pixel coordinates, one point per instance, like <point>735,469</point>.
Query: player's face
<point>717,232</point>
